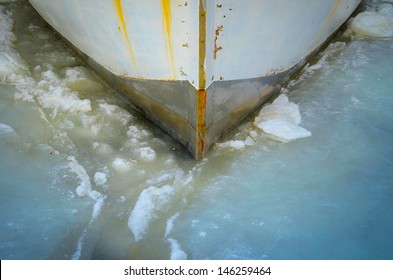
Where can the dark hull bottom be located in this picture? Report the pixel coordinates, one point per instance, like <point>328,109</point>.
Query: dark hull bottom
<point>197,119</point>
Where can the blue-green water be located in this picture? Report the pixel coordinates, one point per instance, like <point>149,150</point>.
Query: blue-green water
<point>74,182</point>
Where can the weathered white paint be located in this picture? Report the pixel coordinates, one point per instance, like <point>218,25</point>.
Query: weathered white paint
<point>96,28</point>
<point>262,36</point>
<point>255,37</point>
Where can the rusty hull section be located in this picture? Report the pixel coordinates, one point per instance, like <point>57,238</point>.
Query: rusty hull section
<point>195,118</point>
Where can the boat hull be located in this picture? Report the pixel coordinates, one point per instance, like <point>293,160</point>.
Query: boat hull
<point>196,68</point>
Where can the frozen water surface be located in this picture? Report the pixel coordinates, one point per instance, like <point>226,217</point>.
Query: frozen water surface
<point>84,176</point>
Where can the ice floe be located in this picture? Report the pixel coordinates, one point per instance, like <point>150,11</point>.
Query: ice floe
<point>122,165</point>
<point>154,200</point>
<point>150,203</point>
<point>283,130</point>
<point>372,24</point>
<point>5,129</point>
<point>378,23</point>
<point>170,224</point>
<point>100,178</point>
<point>84,187</point>
<point>12,67</point>
<point>233,144</point>
<point>281,120</point>
<point>147,154</point>
<point>77,79</point>
<point>176,252</point>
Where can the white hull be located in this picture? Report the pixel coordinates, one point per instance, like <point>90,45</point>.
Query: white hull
<point>207,63</point>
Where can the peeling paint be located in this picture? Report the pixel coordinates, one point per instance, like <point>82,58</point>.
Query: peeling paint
<point>167,19</point>
<point>217,48</point>
<point>120,14</point>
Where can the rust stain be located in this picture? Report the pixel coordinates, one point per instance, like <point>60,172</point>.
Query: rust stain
<point>201,123</point>
<point>331,14</point>
<point>119,10</point>
<point>216,48</point>
<point>167,19</point>
<point>202,46</point>
<point>200,128</point>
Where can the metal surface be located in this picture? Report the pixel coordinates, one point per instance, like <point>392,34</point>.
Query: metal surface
<point>196,67</point>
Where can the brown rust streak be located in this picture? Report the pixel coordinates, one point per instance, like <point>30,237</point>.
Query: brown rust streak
<point>202,46</point>
<point>200,128</point>
<point>201,123</point>
<point>216,49</point>
<point>167,19</point>
<point>119,10</point>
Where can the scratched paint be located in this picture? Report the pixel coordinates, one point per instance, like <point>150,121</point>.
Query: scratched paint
<point>167,19</point>
<point>119,10</point>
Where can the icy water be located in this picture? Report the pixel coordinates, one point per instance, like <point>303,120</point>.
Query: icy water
<point>83,176</point>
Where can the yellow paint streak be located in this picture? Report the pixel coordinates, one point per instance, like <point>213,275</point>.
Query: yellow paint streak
<point>331,14</point>
<point>167,19</point>
<point>119,10</point>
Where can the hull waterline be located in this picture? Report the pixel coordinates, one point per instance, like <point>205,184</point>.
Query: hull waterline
<point>196,68</point>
